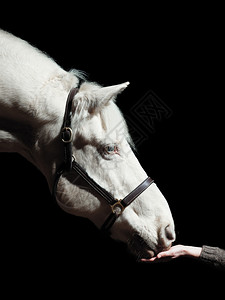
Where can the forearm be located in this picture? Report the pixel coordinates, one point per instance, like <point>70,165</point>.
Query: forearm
<point>213,255</point>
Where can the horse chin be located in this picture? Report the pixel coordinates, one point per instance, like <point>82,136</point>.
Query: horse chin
<point>142,253</point>
<point>140,248</point>
<point>146,253</point>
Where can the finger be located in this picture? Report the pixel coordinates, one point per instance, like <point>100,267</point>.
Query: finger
<point>155,260</point>
<point>164,254</point>
<point>152,259</point>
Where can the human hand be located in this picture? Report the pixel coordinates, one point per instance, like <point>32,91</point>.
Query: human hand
<point>174,252</point>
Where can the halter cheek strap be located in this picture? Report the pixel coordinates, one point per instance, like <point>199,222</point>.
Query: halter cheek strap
<point>70,166</point>
<point>67,132</point>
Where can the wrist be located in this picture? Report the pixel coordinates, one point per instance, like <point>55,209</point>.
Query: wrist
<point>193,251</point>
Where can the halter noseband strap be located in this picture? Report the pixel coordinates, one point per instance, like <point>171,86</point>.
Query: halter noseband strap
<point>119,205</point>
<point>71,166</point>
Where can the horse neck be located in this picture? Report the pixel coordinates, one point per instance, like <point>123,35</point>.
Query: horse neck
<point>33,92</point>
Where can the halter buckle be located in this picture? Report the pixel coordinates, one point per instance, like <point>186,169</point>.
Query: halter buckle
<point>117,208</point>
<point>67,135</point>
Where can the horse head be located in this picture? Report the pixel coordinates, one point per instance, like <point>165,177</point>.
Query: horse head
<point>102,146</point>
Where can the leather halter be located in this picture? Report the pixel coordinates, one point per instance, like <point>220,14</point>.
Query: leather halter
<point>70,166</point>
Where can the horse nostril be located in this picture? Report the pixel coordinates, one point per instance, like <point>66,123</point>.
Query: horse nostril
<point>170,233</point>
<point>166,237</point>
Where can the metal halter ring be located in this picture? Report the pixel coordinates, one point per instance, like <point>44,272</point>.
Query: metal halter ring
<point>117,208</point>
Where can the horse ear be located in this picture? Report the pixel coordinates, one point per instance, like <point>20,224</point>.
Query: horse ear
<point>101,97</point>
<point>105,94</point>
<point>91,100</point>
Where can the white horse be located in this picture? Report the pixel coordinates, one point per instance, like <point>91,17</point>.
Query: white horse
<point>33,93</point>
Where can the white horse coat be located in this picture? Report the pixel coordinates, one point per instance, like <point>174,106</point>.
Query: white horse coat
<point>33,93</point>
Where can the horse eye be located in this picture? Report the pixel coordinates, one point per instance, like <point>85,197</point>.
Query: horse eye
<point>111,149</point>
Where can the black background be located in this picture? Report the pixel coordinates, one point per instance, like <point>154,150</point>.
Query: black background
<point>176,52</point>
